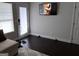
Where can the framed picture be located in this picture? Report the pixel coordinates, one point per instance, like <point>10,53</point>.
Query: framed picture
<point>48,8</point>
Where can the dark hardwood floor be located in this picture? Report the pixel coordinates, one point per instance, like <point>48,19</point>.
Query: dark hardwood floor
<point>52,47</point>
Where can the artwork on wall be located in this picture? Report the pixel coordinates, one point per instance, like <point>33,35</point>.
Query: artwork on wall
<point>48,8</point>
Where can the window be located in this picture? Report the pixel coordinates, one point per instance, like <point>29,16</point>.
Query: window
<point>6,17</point>
<point>23,20</point>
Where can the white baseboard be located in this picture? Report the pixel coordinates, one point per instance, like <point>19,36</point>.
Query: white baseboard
<point>44,36</point>
<point>64,40</point>
<point>53,38</point>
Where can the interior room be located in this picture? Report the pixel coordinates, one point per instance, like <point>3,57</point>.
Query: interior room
<point>39,29</point>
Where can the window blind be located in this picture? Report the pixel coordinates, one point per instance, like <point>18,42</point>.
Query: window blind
<point>6,17</point>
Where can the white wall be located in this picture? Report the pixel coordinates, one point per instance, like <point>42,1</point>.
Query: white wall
<point>58,26</point>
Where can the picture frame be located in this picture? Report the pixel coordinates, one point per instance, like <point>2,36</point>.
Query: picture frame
<point>48,8</point>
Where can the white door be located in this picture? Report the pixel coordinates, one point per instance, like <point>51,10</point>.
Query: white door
<point>76,25</point>
<point>22,21</point>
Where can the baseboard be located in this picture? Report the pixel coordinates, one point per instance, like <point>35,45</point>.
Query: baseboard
<point>44,36</point>
<point>64,40</point>
<point>53,38</point>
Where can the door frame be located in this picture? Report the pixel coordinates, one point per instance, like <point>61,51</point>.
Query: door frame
<point>28,18</point>
<point>76,24</point>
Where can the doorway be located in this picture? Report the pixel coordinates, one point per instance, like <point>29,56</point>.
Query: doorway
<point>23,25</point>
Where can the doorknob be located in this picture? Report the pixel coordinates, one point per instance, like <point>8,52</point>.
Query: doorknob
<point>18,21</point>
